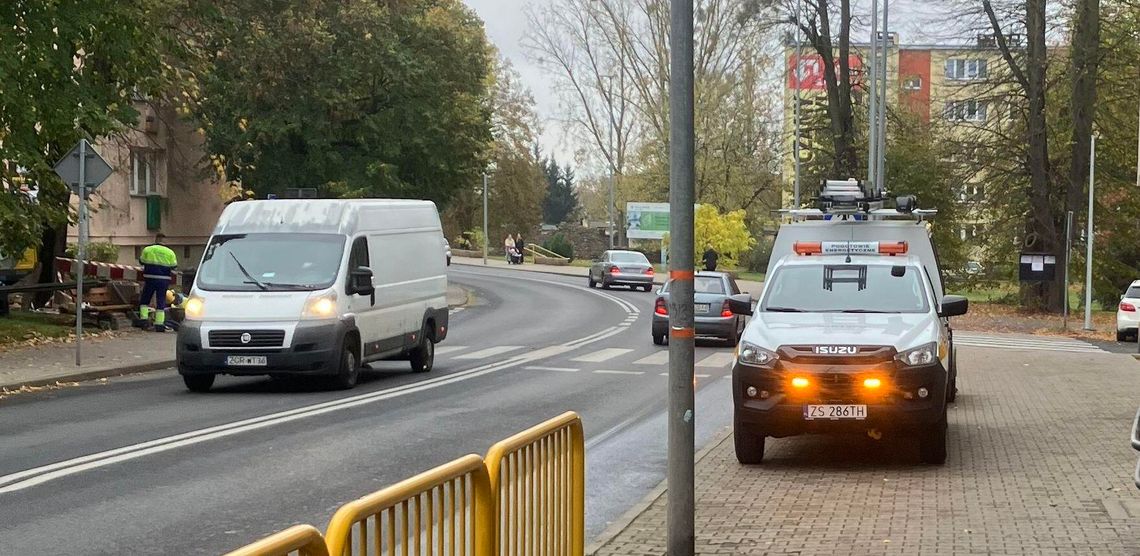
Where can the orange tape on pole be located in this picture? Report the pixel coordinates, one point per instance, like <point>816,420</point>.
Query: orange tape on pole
<point>682,333</point>
<point>681,274</point>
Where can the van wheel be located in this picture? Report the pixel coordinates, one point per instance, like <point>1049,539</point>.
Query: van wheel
<point>423,357</point>
<point>198,383</point>
<point>932,443</point>
<point>749,445</point>
<point>348,372</point>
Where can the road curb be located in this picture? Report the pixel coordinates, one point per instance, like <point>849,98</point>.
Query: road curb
<point>622,523</point>
<point>82,376</point>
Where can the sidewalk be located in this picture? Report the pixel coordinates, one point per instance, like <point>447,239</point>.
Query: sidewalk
<point>119,354</point>
<point>749,286</point>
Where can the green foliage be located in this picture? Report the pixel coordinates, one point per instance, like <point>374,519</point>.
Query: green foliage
<point>360,98</point>
<point>561,200</point>
<point>98,252</point>
<point>559,244</point>
<point>726,233</point>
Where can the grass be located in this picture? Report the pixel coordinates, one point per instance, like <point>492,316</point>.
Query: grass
<point>21,326</point>
<point>1006,293</point>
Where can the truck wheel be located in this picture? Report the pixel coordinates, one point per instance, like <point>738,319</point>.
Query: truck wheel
<point>423,357</point>
<point>198,383</point>
<point>952,391</point>
<point>749,446</point>
<point>349,369</point>
<point>932,443</point>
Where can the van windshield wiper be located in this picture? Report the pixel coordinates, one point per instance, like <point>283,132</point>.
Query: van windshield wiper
<point>290,286</point>
<point>782,310</point>
<point>251,280</point>
<point>863,311</point>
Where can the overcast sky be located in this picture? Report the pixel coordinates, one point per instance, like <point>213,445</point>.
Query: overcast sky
<point>506,23</point>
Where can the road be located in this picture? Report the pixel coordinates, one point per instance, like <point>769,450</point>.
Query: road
<point>139,465</point>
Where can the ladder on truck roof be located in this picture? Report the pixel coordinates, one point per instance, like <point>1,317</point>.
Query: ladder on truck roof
<point>849,200</point>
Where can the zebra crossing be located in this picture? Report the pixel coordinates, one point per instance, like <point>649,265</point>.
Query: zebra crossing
<point>619,360</point>
<point>1024,343</point>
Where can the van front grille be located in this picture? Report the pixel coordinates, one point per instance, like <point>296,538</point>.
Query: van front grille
<point>254,338</point>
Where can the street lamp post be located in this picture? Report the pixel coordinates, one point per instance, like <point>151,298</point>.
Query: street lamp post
<point>486,235</point>
<point>1089,237</point>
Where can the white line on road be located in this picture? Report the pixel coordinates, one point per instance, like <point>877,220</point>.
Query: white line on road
<point>21,480</point>
<point>601,355</point>
<point>553,369</point>
<point>612,372</point>
<point>444,350</point>
<point>718,359</point>
<point>488,352</point>
<point>658,358</point>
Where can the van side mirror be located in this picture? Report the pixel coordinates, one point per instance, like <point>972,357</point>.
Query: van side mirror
<point>360,281</point>
<point>954,306</point>
<point>740,304</point>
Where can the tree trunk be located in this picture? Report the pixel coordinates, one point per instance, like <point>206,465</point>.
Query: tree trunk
<point>838,86</point>
<point>53,243</point>
<point>1085,50</point>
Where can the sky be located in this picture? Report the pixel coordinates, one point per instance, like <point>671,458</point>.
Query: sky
<point>506,24</point>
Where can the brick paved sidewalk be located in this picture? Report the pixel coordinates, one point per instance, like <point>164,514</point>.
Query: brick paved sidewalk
<point>1039,464</point>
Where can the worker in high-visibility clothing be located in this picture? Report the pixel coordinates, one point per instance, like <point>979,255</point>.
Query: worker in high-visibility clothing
<point>158,262</point>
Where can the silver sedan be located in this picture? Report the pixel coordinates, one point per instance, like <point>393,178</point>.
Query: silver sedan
<point>622,268</point>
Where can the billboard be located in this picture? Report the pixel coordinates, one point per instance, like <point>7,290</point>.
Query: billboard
<point>811,70</point>
<point>646,220</point>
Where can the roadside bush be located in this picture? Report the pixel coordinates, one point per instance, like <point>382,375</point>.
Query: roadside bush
<point>560,245</point>
<point>98,252</point>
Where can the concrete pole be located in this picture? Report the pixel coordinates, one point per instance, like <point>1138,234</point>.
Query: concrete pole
<point>1138,149</point>
<point>799,120</point>
<point>1089,237</point>
<point>1068,252</point>
<point>613,241</point>
<point>681,498</point>
<point>870,72</point>
<point>82,255</point>
<point>486,234</point>
<point>884,86</point>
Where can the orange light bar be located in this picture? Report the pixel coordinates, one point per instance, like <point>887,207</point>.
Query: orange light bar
<point>808,247</point>
<point>800,382</point>
<point>892,248</point>
<point>872,383</point>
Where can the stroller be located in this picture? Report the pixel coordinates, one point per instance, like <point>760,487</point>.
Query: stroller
<point>514,256</point>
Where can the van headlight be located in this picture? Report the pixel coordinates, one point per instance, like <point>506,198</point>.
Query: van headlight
<point>754,355</point>
<point>919,356</point>
<point>321,306</point>
<point>194,308</point>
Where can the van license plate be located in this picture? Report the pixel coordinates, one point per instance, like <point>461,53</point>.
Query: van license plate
<point>835,412</point>
<point>246,361</point>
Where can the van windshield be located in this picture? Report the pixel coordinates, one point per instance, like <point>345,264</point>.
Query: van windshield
<point>846,289</point>
<point>271,262</point>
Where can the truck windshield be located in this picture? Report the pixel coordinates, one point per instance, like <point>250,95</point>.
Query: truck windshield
<point>846,289</point>
<point>271,262</point>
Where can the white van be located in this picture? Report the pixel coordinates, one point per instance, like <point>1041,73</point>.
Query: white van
<point>315,287</point>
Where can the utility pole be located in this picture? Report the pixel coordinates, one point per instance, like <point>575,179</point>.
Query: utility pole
<point>872,73</point>
<point>1068,252</point>
<point>82,253</point>
<point>486,235</point>
<point>881,135</point>
<point>610,157</point>
<point>1089,238</point>
<point>799,75</point>
<point>681,497</point>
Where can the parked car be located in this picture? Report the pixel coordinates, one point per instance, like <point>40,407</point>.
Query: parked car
<point>713,316</point>
<point>1127,316</point>
<point>622,268</point>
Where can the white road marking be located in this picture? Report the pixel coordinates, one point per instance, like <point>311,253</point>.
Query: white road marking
<point>488,352</point>
<point>612,372</point>
<point>1026,343</point>
<point>658,358</point>
<point>444,350</point>
<point>718,359</point>
<point>554,369</point>
<point>601,355</point>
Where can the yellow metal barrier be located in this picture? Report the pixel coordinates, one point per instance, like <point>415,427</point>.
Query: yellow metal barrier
<point>304,540</point>
<point>447,510</point>
<point>538,480</point>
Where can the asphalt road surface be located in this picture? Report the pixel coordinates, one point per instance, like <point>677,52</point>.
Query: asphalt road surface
<point>138,465</point>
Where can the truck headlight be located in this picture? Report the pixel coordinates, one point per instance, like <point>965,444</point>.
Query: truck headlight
<point>321,306</point>
<point>756,356</point>
<point>194,308</point>
<point>921,355</point>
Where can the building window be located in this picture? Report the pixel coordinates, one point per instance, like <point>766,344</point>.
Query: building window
<point>913,83</point>
<point>966,111</point>
<point>962,69</point>
<point>144,175</point>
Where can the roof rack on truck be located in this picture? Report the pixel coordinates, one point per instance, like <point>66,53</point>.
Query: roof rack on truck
<point>851,200</point>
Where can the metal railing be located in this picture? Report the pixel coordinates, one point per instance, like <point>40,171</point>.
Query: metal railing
<point>304,540</point>
<point>540,251</point>
<point>447,510</point>
<point>538,482</point>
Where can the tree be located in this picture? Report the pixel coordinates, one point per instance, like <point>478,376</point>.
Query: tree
<point>727,233</point>
<point>360,98</point>
<point>561,199</point>
<point>517,185</point>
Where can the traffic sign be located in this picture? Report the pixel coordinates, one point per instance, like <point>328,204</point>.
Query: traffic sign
<point>95,170</point>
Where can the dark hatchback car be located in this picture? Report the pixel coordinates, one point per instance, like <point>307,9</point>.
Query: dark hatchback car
<point>712,314</point>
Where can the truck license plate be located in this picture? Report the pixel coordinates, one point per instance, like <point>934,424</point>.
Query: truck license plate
<point>835,412</point>
<point>246,361</point>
